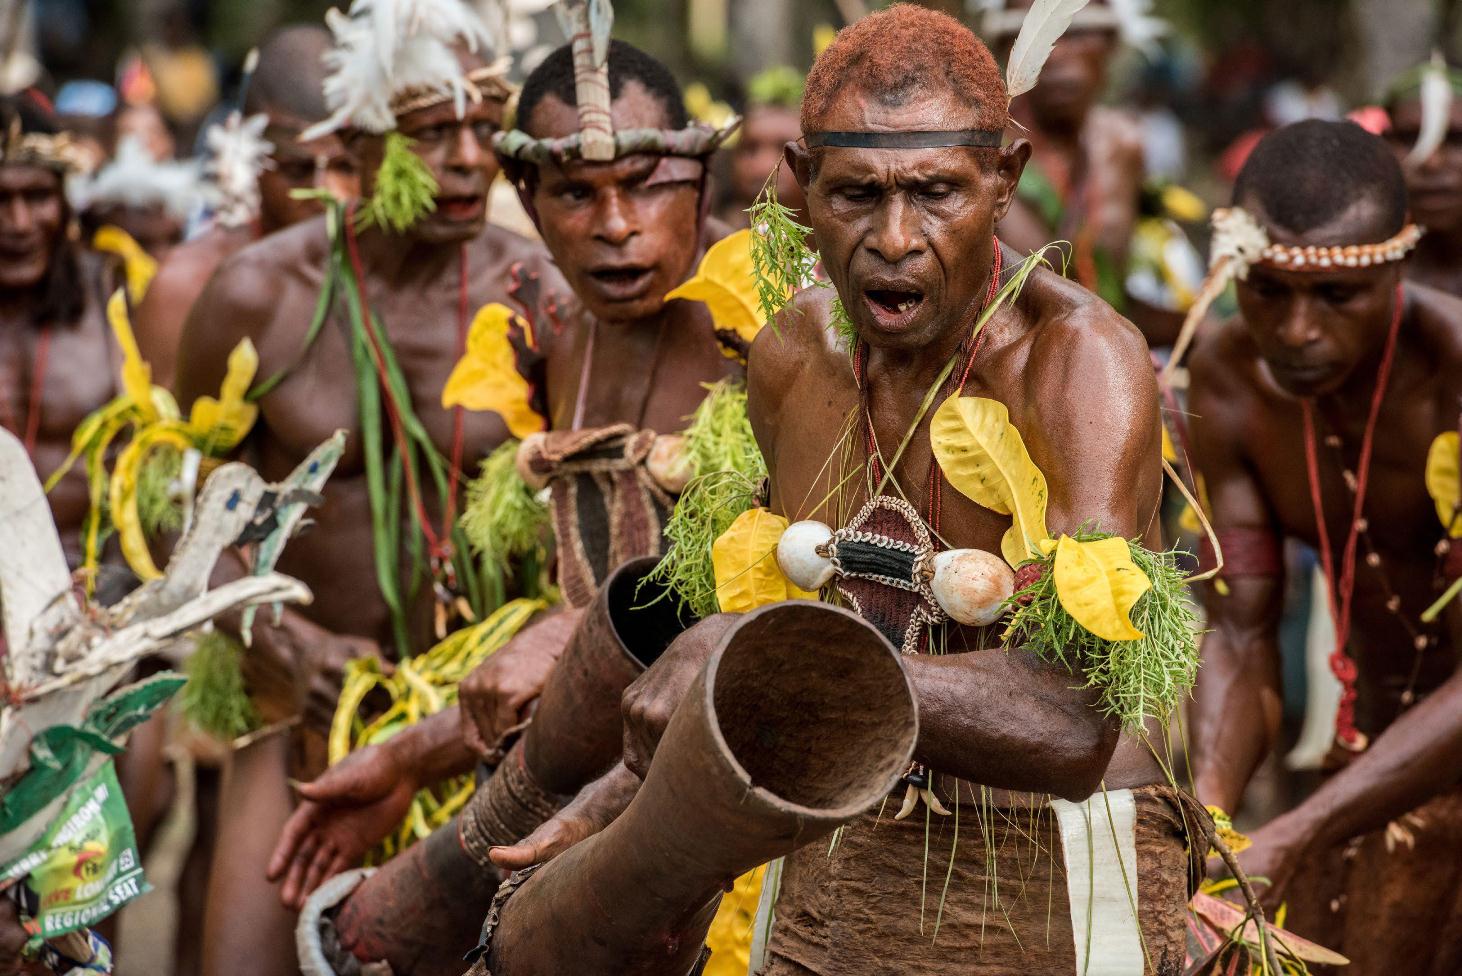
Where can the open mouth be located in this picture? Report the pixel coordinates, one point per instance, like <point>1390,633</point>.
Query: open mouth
<point>463,208</point>
<point>893,308</point>
<point>622,282</point>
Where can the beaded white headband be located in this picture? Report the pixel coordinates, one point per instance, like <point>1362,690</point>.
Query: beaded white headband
<point>1240,242</point>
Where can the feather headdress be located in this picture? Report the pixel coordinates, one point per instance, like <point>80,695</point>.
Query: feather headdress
<point>1435,94</point>
<point>1049,19</point>
<point>391,52</point>
<point>134,179</point>
<point>238,154</point>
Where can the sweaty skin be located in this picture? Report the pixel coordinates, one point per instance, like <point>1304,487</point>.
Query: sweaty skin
<point>1434,191</point>
<point>80,362</point>
<point>621,245</point>
<point>909,225</point>
<point>322,163</point>
<point>267,292</point>
<point>1321,335</point>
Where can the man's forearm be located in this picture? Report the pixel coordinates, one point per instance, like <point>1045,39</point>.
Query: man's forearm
<point>1235,718</point>
<point>985,716</point>
<point>433,749</point>
<point>1415,759</point>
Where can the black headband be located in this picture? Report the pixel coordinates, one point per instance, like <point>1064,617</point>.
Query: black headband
<point>978,138</point>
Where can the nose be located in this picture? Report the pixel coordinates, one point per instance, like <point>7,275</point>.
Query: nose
<point>1301,327</point>
<point>341,183</point>
<point>465,153</point>
<point>614,224</point>
<point>896,232</point>
<point>17,214</point>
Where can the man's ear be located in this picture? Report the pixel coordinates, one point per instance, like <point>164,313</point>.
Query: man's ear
<point>1011,164</point>
<point>796,156</point>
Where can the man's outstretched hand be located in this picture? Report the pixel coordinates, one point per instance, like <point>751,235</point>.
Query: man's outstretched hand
<point>591,811</point>
<point>649,702</point>
<point>496,695</point>
<point>353,806</point>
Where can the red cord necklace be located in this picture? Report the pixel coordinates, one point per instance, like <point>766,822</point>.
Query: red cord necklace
<point>439,545</point>
<point>1342,587</point>
<point>935,475</point>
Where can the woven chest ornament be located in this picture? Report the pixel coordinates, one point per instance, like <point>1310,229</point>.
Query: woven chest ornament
<point>891,572</point>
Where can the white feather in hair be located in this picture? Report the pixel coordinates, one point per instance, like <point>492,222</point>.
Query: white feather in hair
<point>238,153</point>
<point>134,179</point>
<point>1043,26</point>
<point>1436,110</point>
<point>384,48</point>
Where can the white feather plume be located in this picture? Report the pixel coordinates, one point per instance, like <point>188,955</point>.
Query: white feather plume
<point>1436,110</point>
<point>134,179</point>
<point>386,47</point>
<point>238,153</point>
<point>1137,26</point>
<point>1044,24</point>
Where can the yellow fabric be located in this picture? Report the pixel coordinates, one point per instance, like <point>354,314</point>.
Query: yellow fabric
<point>732,928</point>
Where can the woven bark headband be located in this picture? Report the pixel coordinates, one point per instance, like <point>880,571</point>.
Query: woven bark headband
<point>694,140</point>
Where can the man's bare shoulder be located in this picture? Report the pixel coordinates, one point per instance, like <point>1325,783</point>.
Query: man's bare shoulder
<point>186,271</point>
<point>799,340</point>
<point>798,337</point>
<point>500,243</point>
<point>1079,337</point>
<point>251,282</point>
<point>1441,320</point>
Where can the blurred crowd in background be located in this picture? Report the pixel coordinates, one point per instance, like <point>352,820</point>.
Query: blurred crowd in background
<point>1205,88</point>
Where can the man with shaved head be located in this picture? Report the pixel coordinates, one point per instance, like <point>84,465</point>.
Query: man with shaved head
<point>286,88</point>
<point>1324,413</point>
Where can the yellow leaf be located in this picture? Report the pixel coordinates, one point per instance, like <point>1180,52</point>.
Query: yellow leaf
<point>487,377</point>
<point>219,425</point>
<point>1098,584</point>
<point>1442,481</point>
<point>1169,454</point>
<point>139,266</point>
<point>125,477</point>
<point>745,561</point>
<point>136,374</point>
<point>726,283</point>
<point>984,458</point>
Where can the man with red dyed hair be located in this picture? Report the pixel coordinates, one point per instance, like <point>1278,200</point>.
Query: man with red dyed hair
<point>1004,856</point>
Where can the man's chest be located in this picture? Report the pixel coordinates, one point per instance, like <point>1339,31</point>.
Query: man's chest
<point>600,374</point>
<point>382,379</point>
<point>1309,481</point>
<point>51,378</point>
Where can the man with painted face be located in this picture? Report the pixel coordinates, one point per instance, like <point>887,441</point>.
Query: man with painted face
<point>1328,412</point>
<point>905,180</point>
<point>1433,170</point>
<point>57,360</point>
<point>285,88</point>
<point>618,353</point>
<point>420,271</point>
